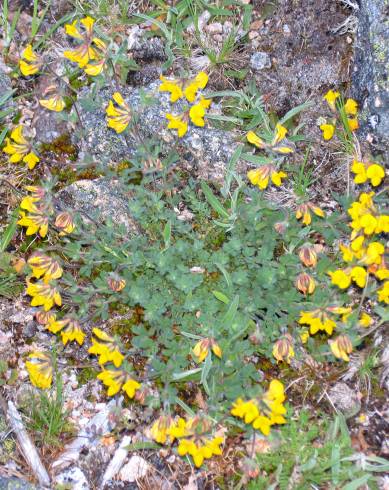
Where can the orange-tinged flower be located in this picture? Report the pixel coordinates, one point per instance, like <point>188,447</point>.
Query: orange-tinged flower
<point>305,283</point>
<point>341,347</point>
<point>283,349</point>
<point>64,222</point>
<point>352,123</point>
<point>116,283</point>
<point>44,317</point>
<point>308,255</point>
<point>303,211</point>
<point>202,348</point>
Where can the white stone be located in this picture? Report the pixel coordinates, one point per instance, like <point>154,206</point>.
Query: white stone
<point>135,469</point>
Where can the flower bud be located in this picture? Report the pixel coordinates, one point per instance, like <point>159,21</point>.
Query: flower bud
<point>305,283</point>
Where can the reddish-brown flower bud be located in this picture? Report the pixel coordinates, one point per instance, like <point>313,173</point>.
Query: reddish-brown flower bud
<point>305,283</point>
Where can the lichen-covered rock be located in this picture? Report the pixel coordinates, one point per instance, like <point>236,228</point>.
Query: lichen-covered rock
<point>345,399</point>
<point>99,199</point>
<point>15,484</point>
<point>370,76</point>
<point>204,152</point>
<point>5,85</point>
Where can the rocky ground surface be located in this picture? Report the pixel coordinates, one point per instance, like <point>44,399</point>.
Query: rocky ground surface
<point>296,51</point>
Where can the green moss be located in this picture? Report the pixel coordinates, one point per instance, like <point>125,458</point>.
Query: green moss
<point>86,374</point>
<point>60,146</point>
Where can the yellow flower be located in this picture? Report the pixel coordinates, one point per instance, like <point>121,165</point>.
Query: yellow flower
<point>304,336</point>
<point>44,295</point>
<point>89,48</point>
<point>283,349</point>
<point>331,97</point>
<point>197,112</point>
<point>40,369</point>
<point>359,169</point>
<point>119,380</point>
<point>340,278</point>
<point>280,133</point>
<point>308,255</point>
<point>357,244</point>
<point>375,173</point>
<point>200,449</point>
<point>202,348</point>
<point>34,222</point>
<point>199,82</point>
<point>303,211</point>
<point>55,103</point>
<point>359,276</point>
<point>176,122</point>
<point>20,149</point>
<point>352,123</point>
<point>106,347</point>
<point>118,118</point>
<point>383,293</point>
<point>341,347</point>
<point>30,62</point>
<point>65,223</point>
<point>161,430</point>
<point>172,86</point>
<point>328,131</point>
<point>255,140</point>
<point>365,320</point>
<point>305,283</point>
<point>43,265</point>
<point>373,253</point>
<point>351,107</point>
<point>265,411</point>
<point>70,330</point>
<point>263,174</point>
<point>317,320</point>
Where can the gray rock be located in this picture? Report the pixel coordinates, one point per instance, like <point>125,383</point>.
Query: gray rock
<point>15,484</point>
<point>370,77</point>
<point>345,399</point>
<point>5,85</point>
<point>204,151</point>
<point>260,61</point>
<point>101,199</point>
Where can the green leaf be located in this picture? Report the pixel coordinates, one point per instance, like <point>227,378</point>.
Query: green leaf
<point>9,232</point>
<point>358,483</point>
<point>231,313</point>
<point>167,234</point>
<point>205,372</point>
<point>213,201</point>
<point>221,297</point>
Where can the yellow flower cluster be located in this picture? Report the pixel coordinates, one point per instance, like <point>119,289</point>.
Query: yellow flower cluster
<point>303,212</point>
<point>350,108</point>
<point>106,347</point>
<point>69,328</point>
<point>262,175</point>
<point>119,379</point>
<point>30,62</point>
<point>202,348</point>
<point>364,250</point>
<point>341,347</point>
<point>278,144</point>
<point>265,411</point>
<point>367,171</point>
<point>90,49</point>
<point>40,369</point>
<point>192,434</point>
<point>119,116</point>
<point>20,149</point>
<point>179,89</point>
<point>320,319</point>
